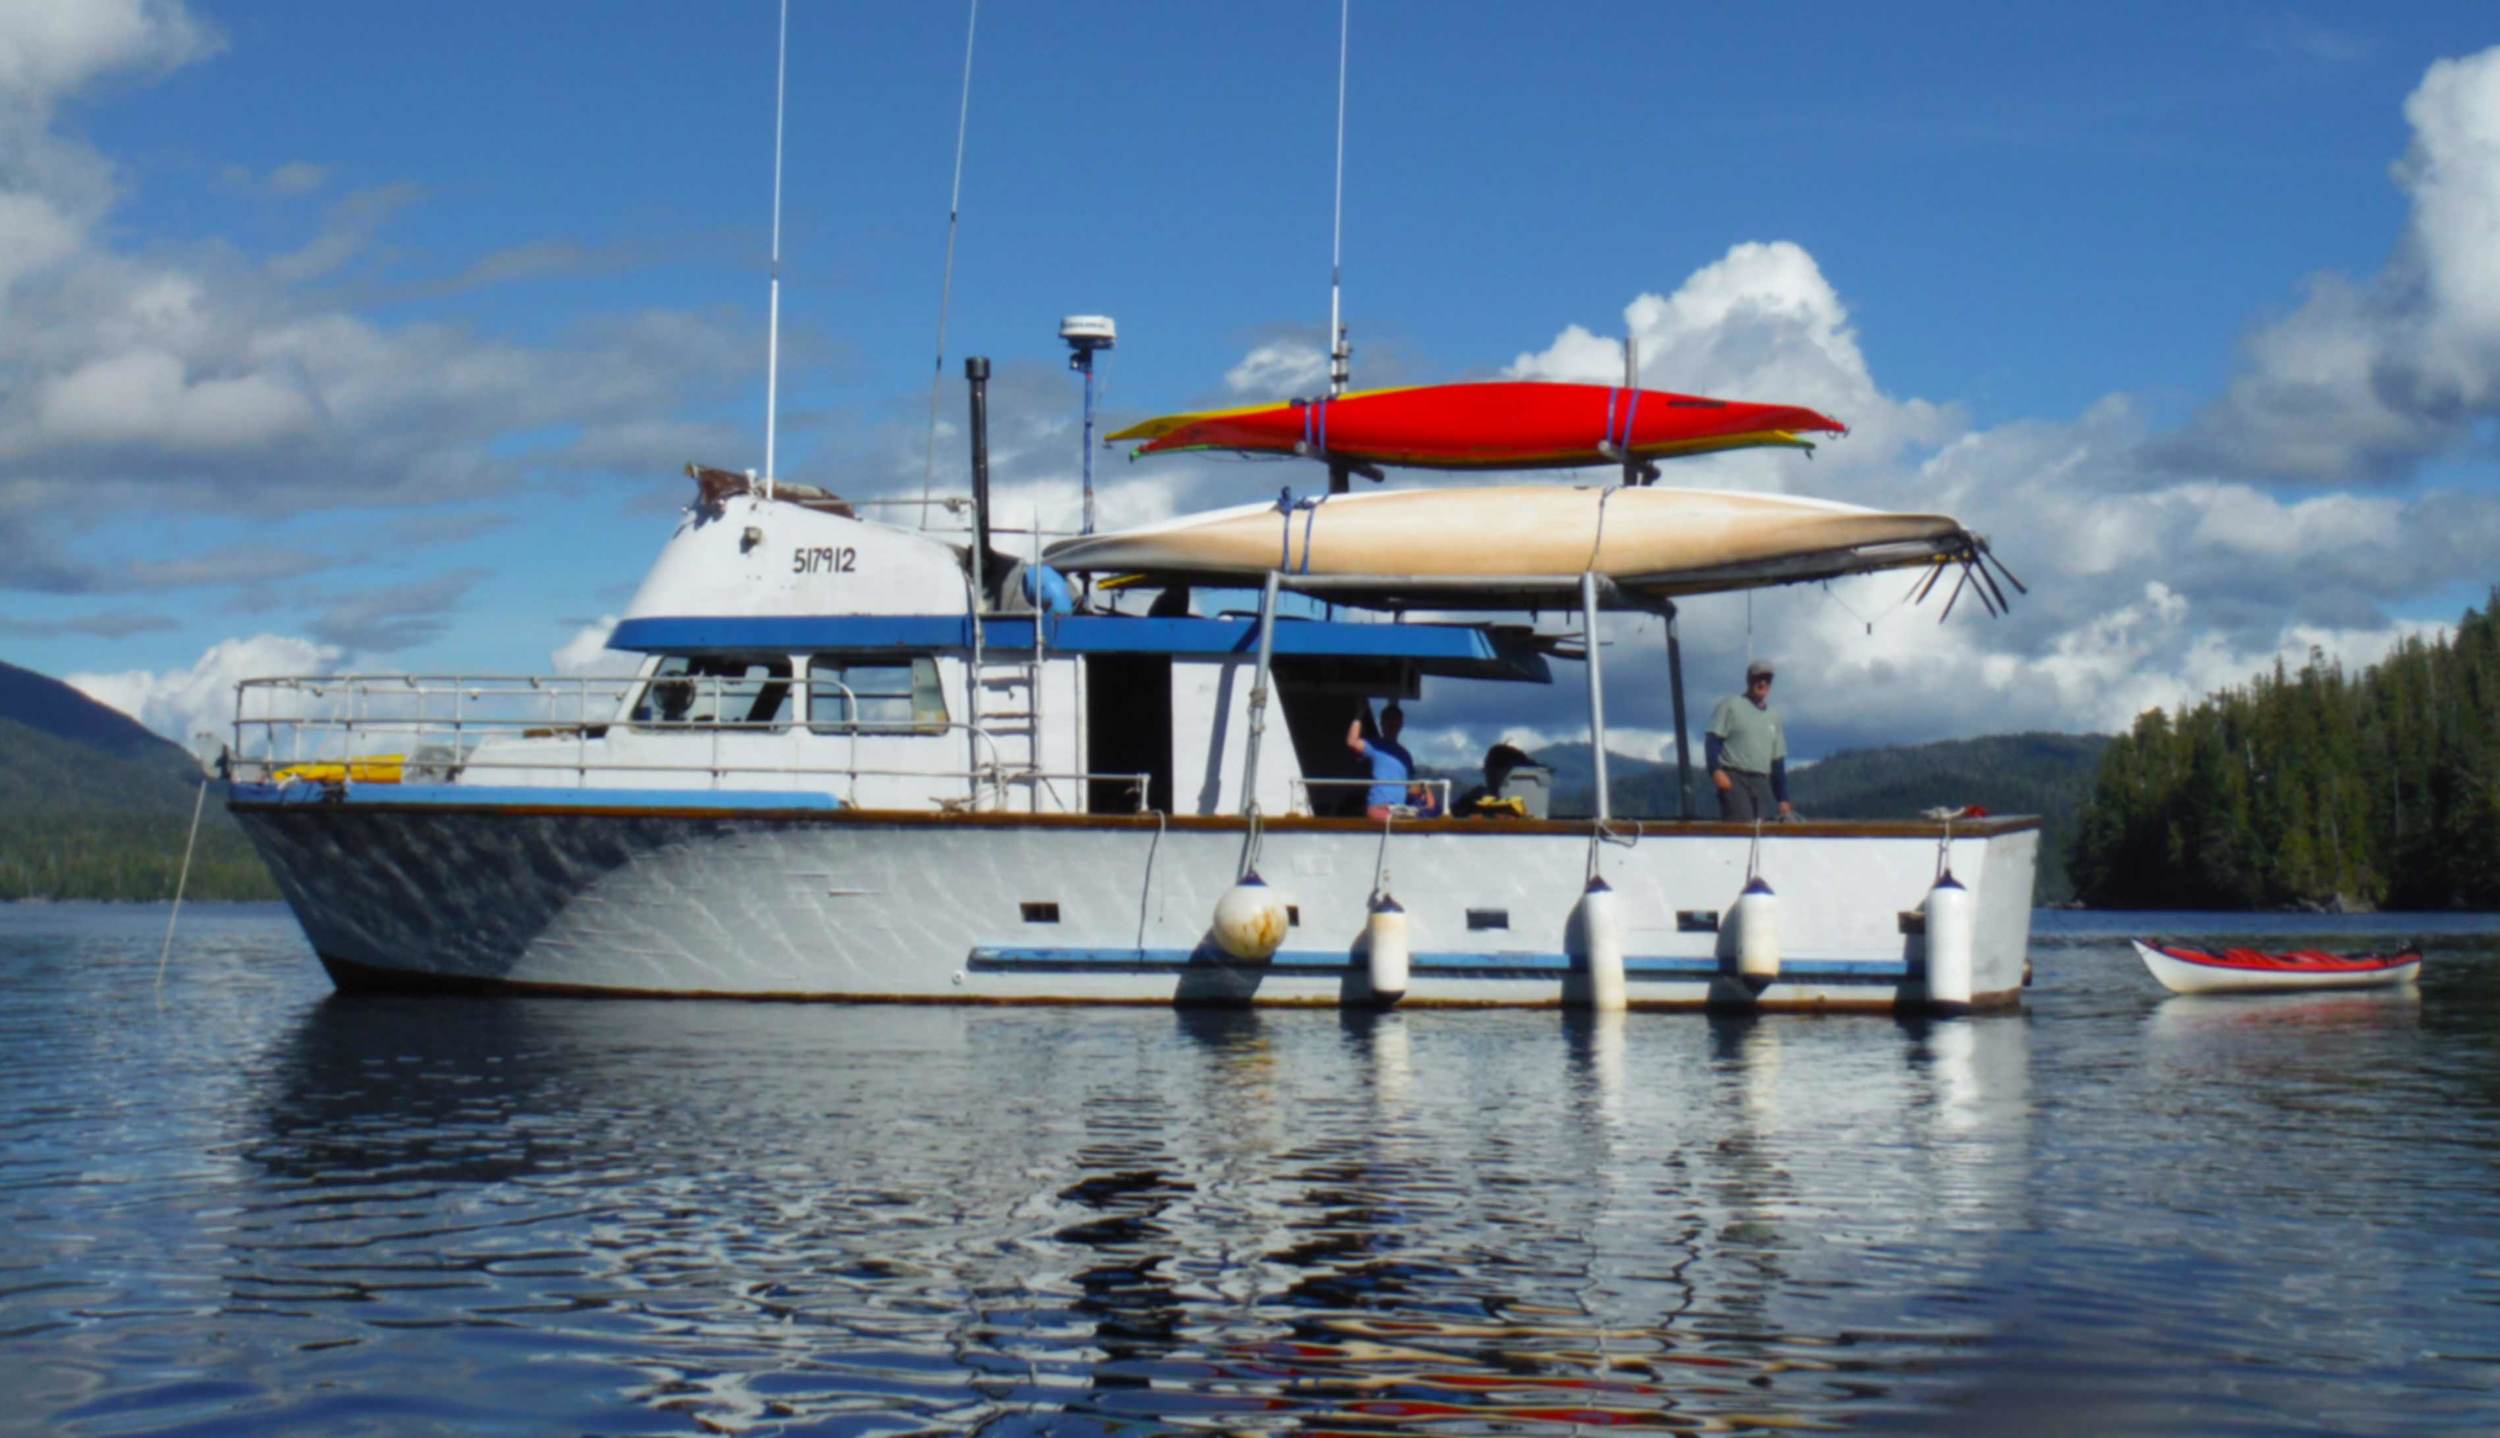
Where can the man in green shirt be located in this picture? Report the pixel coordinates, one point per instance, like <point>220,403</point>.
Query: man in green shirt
<point>1747,751</point>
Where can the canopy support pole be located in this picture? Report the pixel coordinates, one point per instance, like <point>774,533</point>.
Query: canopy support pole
<point>1597,691</point>
<point>1258,694</point>
<point>1631,381</point>
<point>1675,686</point>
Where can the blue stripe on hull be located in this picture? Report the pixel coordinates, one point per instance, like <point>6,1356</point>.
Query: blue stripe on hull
<point>1325,963</point>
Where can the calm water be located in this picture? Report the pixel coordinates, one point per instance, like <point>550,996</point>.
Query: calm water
<point>267,1209</point>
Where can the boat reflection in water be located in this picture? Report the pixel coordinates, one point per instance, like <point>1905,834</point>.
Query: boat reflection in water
<point>2199,1018</point>
<point>764,1214</point>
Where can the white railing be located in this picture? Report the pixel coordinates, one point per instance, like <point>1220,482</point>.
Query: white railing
<point>440,727</point>
<point>1303,787</point>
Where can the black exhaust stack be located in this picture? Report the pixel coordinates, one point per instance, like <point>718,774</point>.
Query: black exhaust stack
<point>991,567</point>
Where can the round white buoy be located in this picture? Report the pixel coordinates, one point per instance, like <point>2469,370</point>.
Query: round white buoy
<point>1758,931</point>
<point>1601,946</point>
<point>1250,920</point>
<point>1952,942</point>
<point>1384,936</point>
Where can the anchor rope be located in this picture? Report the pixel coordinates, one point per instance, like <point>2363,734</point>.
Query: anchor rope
<point>1145,893</point>
<point>1380,863</point>
<point>198,802</point>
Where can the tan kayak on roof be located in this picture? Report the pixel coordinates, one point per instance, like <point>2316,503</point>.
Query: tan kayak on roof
<point>1664,541</point>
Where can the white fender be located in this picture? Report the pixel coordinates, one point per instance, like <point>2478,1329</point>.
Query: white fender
<point>1601,944</point>
<point>1250,919</point>
<point>1952,942</point>
<point>1384,934</point>
<point>1758,932</point>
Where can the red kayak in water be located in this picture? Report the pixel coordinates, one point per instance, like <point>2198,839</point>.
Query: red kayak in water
<point>2188,969</point>
<point>1512,424</point>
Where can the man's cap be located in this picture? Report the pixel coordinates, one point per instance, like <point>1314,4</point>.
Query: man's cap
<point>1759,669</point>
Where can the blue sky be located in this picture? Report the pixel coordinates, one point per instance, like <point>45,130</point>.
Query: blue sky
<point>374,337</point>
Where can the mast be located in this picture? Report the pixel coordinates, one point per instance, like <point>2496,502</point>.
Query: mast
<point>1631,383</point>
<point>1340,355</point>
<point>772,324</point>
<point>946,285</point>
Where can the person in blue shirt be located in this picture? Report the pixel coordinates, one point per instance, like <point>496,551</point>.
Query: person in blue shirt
<point>1393,769</point>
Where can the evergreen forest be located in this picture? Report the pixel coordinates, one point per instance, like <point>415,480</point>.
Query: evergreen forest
<point>94,806</point>
<point>2312,789</point>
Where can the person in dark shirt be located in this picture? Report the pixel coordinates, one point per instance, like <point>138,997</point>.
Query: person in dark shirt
<point>1479,801</point>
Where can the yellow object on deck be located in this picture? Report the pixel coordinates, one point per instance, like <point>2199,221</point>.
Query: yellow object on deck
<point>372,769</point>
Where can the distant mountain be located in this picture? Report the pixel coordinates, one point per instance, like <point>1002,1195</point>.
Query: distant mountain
<point>2050,775</point>
<point>93,805</point>
<point>49,706</point>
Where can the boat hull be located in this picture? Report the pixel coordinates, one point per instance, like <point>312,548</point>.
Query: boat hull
<point>852,905</point>
<point>2187,976</point>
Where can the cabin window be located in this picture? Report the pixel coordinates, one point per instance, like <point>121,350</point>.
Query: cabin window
<point>880,695</point>
<point>728,690</point>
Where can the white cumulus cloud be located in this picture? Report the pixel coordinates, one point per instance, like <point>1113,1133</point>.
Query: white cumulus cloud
<point>1760,323</point>
<point>587,653</point>
<point>1278,369</point>
<point>2368,377</point>
<point>185,703</point>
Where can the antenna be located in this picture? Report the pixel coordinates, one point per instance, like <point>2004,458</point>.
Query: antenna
<point>1631,381</point>
<point>1085,335</point>
<point>772,324</point>
<point>1340,354</point>
<point>946,286</point>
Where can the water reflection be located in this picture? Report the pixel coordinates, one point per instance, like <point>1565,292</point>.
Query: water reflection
<point>746,1214</point>
<point>2184,1019</point>
<point>597,1217</point>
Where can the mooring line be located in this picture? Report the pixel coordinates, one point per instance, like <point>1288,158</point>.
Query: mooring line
<point>199,803</point>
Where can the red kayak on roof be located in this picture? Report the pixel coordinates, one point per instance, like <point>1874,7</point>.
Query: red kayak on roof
<point>1509,424</point>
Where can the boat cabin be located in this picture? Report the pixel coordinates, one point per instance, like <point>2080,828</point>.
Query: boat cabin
<point>793,651</point>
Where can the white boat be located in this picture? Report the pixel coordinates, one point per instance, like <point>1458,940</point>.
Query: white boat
<point>856,764</point>
<point>2187,969</point>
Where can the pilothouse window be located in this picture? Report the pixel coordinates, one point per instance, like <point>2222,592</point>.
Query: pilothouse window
<point>880,695</point>
<point>731,690</point>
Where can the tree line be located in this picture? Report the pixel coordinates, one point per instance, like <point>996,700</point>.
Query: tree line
<point>2314,787</point>
<point>126,856</point>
